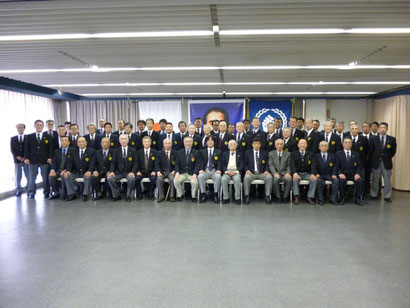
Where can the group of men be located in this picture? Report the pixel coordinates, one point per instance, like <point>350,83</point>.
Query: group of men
<point>281,158</point>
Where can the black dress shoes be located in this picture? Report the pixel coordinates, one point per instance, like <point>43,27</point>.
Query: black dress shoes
<point>31,196</point>
<point>278,201</point>
<point>238,202</point>
<point>334,203</point>
<point>268,200</point>
<point>225,201</point>
<point>84,198</point>
<point>46,196</point>
<point>97,196</point>
<point>246,200</point>
<point>358,201</point>
<point>172,199</point>
<point>179,199</point>
<point>310,201</point>
<point>160,200</point>
<point>216,199</point>
<point>116,199</point>
<point>286,200</point>
<point>388,200</point>
<point>194,200</point>
<point>139,197</point>
<point>321,202</point>
<point>55,196</point>
<point>373,198</point>
<point>18,193</point>
<point>129,199</point>
<point>341,201</point>
<point>202,198</point>
<point>71,197</point>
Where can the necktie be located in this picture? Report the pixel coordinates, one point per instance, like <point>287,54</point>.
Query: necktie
<point>210,166</point>
<point>257,161</point>
<point>149,133</point>
<point>327,137</point>
<point>382,141</point>
<point>324,158</point>
<point>232,153</point>
<point>187,157</point>
<point>124,154</point>
<point>197,131</point>
<point>38,138</point>
<point>146,162</point>
<point>303,156</point>
<point>280,158</point>
<point>238,137</point>
<point>92,138</point>
<point>293,132</point>
<point>104,154</point>
<point>21,139</point>
<point>354,140</point>
<point>167,155</point>
<point>81,154</point>
<point>348,156</point>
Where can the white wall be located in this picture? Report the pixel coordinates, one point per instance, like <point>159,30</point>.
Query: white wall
<point>316,109</point>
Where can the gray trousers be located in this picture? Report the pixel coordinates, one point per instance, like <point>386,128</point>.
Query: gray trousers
<point>32,176</point>
<point>312,185</point>
<point>18,174</point>
<point>236,183</point>
<point>287,184</point>
<point>181,179</point>
<point>160,185</point>
<point>114,185</point>
<point>257,176</point>
<point>387,181</point>
<point>70,182</point>
<point>216,177</point>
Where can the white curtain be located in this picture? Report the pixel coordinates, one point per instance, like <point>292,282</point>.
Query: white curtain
<point>18,108</point>
<point>166,109</point>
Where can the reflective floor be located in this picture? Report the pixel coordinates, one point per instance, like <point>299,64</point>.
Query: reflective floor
<point>141,254</point>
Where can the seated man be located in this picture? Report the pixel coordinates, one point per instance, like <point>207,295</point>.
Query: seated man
<point>301,169</point>
<point>146,167</point>
<point>164,166</point>
<point>79,165</point>
<point>123,165</point>
<point>232,167</point>
<point>59,166</point>
<point>257,168</point>
<point>280,168</point>
<point>349,168</point>
<point>187,168</point>
<point>210,169</point>
<point>103,159</point>
<point>324,166</point>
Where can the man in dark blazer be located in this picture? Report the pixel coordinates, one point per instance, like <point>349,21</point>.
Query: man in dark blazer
<point>382,149</point>
<point>74,135</point>
<point>79,165</point>
<point>59,167</point>
<point>271,137</point>
<point>150,132</point>
<point>120,131</point>
<point>279,166</point>
<point>93,139</point>
<point>146,167</point>
<point>197,145</point>
<point>359,145</point>
<point>38,151</point>
<point>17,150</point>
<point>57,140</point>
<point>164,167</point>
<point>114,140</point>
<point>174,137</point>
<point>243,140</point>
<point>331,138</point>
<point>198,127</point>
<point>134,139</point>
<point>50,129</point>
<point>257,168</point>
<point>312,137</point>
<point>223,137</point>
<point>324,166</point>
<point>295,133</point>
<point>257,131</point>
<point>207,132</point>
<point>103,158</point>
<point>232,168</point>
<point>290,144</point>
<point>210,168</point>
<point>349,169</point>
<point>187,167</point>
<point>301,169</point>
<point>123,165</point>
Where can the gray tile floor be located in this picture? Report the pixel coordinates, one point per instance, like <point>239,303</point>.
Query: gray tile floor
<point>57,254</point>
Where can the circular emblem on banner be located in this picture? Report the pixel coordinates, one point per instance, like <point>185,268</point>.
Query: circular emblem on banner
<point>268,115</point>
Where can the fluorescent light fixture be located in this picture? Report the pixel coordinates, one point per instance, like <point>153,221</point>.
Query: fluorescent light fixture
<point>149,84</point>
<point>199,68</point>
<point>215,28</point>
<point>281,31</point>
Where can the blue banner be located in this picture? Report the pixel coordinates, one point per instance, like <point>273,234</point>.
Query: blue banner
<point>268,111</point>
<point>231,111</point>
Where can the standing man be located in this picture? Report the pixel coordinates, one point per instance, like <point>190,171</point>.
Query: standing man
<point>101,124</point>
<point>198,126</point>
<point>174,137</point>
<point>257,168</point>
<point>301,124</point>
<point>50,129</point>
<point>61,134</point>
<point>295,132</point>
<point>210,168</point>
<point>279,165</point>
<point>334,142</point>
<point>271,137</point>
<point>182,129</point>
<point>120,130</point>
<point>243,140</point>
<point>141,128</point>
<point>38,151</point>
<point>382,149</point>
<point>162,124</point>
<point>246,126</point>
<point>207,132</point>
<point>278,127</point>
<point>290,144</point>
<point>17,150</point>
<point>197,138</point>
<point>312,137</point>
<point>257,132</point>
<point>153,134</point>
<point>164,166</point>
<point>232,167</point>
<point>93,139</point>
<point>146,167</point>
<point>134,139</point>
<point>59,167</point>
<point>340,127</point>
<point>114,141</point>
<point>74,135</point>
<point>223,138</point>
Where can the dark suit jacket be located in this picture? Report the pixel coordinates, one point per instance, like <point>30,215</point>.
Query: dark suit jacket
<point>261,134</point>
<point>103,165</point>
<point>17,147</point>
<point>114,141</point>
<point>361,146</point>
<point>270,143</point>
<point>201,133</point>
<point>299,134</point>
<point>296,162</point>
<point>350,167</point>
<point>38,153</point>
<point>175,138</point>
<point>97,141</point>
<point>245,142</point>
<point>81,166</point>
<point>57,164</point>
<point>73,143</point>
<point>162,164</point>
<point>324,169</point>
<point>193,165</point>
<point>379,154</point>
<point>239,161</point>
<point>312,141</point>
<point>54,134</point>
<point>197,145</point>
<point>291,145</point>
<point>335,144</point>
<point>130,163</point>
<point>135,141</point>
<point>155,138</point>
<point>117,132</point>
<point>151,161</point>
<point>263,164</point>
<point>216,159</point>
<point>223,144</point>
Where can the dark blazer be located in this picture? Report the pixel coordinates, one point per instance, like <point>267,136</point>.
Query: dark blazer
<point>263,164</point>
<point>245,142</point>
<point>312,141</point>
<point>155,138</point>
<point>151,161</point>
<point>261,134</point>
<point>103,165</point>
<point>350,167</point>
<point>223,144</point>
<point>299,134</point>
<point>361,146</point>
<point>81,166</point>
<point>114,140</point>
<point>386,154</point>
<point>130,162</point>
<point>17,147</point>
<point>58,164</point>
<point>38,153</point>
<point>328,168</point>
<point>100,131</point>
<point>162,164</point>
<point>135,141</point>
<point>53,134</point>
<point>73,143</point>
<point>175,138</point>
<point>117,132</point>
<point>203,144</point>
<point>193,165</point>
<point>215,133</point>
<point>334,142</point>
<point>201,133</point>
<point>239,161</point>
<point>216,159</point>
<point>197,145</point>
<point>291,145</point>
<point>296,162</point>
<point>270,143</point>
<point>96,144</point>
